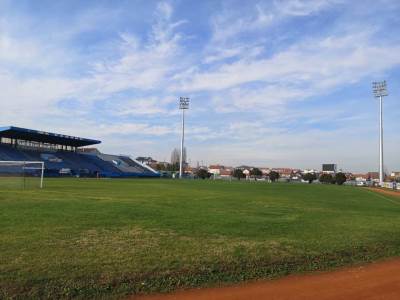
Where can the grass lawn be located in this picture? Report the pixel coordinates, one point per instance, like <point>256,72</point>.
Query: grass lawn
<point>92,238</point>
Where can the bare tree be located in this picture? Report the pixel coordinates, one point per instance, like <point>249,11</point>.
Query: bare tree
<point>176,155</point>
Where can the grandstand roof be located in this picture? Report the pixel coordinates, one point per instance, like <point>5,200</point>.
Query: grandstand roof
<point>45,137</point>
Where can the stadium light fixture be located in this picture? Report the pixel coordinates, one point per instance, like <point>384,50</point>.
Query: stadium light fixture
<point>183,105</point>
<point>380,90</point>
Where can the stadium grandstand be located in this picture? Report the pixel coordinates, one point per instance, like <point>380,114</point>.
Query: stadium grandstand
<point>65,155</point>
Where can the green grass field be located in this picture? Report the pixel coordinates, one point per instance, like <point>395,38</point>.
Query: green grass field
<point>90,238</point>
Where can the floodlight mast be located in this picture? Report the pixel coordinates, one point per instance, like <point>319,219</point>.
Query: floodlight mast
<point>183,105</point>
<point>380,91</point>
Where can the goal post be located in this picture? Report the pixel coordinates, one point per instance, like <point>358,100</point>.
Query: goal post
<point>22,173</point>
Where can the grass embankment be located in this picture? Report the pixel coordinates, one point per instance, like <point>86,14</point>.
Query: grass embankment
<point>109,238</point>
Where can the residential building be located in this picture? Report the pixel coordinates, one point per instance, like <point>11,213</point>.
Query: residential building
<point>226,173</point>
<point>373,176</point>
<point>147,160</point>
<point>284,172</point>
<point>215,169</point>
<point>361,177</point>
<point>395,174</point>
<point>307,171</point>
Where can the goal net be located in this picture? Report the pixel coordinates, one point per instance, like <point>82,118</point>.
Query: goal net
<point>21,174</point>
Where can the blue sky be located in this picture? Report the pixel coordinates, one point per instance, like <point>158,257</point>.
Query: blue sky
<point>272,83</point>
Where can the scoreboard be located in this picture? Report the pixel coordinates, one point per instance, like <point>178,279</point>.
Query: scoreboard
<point>329,168</point>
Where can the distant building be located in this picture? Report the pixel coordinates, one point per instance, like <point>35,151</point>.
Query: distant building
<point>190,170</point>
<point>349,176</point>
<point>159,165</point>
<point>309,171</point>
<point>226,173</point>
<point>395,174</point>
<point>246,172</point>
<point>220,171</point>
<point>360,177</point>
<point>244,167</point>
<point>284,172</point>
<point>215,169</point>
<point>265,171</point>
<point>146,160</point>
<point>373,176</point>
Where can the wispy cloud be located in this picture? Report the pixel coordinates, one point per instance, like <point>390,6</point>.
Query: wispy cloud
<point>233,22</point>
<point>133,129</point>
<point>140,65</point>
<point>304,7</point>
<point>316,63</point>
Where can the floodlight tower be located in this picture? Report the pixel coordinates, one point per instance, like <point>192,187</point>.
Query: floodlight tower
<point>380,91</point>
<point>183,105</point>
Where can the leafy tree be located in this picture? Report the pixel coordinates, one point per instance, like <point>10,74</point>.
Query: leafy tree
<point>273,176</point>
<point>310,177</point>
<point>256,172</point>
<point>173,167</point>
<point>203,173</point>
<point>326,178</point>
<point>340,178</point>
<point>238,173</point>
<point>160,167</point>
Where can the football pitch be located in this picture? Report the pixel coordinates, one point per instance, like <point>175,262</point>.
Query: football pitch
<point>91,238</point>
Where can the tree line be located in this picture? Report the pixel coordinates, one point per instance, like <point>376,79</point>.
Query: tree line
<point>339,178</point>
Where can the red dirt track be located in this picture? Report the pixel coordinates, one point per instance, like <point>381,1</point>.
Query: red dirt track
<point>385,191</point>
<point>374,281</point>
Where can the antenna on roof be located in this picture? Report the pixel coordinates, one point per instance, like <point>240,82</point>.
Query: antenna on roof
<point>183,105</point>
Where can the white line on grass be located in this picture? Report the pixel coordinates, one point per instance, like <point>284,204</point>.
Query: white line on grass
<point>383,197</point>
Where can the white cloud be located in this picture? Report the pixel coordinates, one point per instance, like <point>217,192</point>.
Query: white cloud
<point>229,23</point>
<point>147,106</point>
<point>133,129</point>
<point>268,99</point>
<point>140,64</point>
<point>303,7</point>
<point>31,97</point>
<point>222,52</point>
<point>164,10</point>
<point>311,67</point>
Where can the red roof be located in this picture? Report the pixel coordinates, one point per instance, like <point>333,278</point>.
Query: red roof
<point>285,171</point>
<point>373,175</point>
<point>218,167</point>
<point>225,173</point>
<point>360,176</point>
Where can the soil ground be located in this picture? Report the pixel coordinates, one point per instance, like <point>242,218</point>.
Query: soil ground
<point>374,281</point>
<point>385,191</point>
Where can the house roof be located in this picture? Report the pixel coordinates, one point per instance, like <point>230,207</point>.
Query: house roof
<point>217,167</point>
